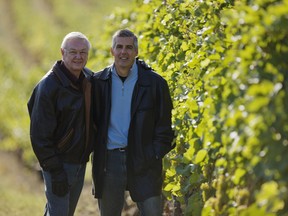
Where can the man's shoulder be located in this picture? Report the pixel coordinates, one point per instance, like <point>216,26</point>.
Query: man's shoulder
<point>48,78</point>
<point>87,72</point>
<point>45,88</point>
<point>148,71</point>
<point>142,64</point>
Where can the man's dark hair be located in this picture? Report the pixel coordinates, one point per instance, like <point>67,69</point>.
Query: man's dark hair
<point>124,33</point>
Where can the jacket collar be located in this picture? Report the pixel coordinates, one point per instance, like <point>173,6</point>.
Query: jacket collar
<point>106,74</point>
<point>142,79</point>
<point>63,78</point>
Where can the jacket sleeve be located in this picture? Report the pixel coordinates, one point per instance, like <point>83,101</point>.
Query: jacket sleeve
<point>42,126</point>
<point>164,135</point>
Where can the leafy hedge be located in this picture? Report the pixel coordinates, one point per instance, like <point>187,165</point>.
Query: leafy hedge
<point>226,64</point>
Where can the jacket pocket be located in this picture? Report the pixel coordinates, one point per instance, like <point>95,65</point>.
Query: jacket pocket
<point>64,143</point>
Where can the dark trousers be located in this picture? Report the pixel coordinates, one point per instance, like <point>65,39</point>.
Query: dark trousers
<point>115,181</point>
<point>65,206</point>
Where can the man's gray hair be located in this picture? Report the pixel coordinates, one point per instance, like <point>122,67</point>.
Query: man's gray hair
<point>124,33</point>
<point>73,35</point>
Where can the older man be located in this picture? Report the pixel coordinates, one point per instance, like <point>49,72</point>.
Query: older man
<point>60,127</point>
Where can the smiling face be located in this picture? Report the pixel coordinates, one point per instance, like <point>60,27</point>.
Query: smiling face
<point>75,55</point>
<point>124,52</point>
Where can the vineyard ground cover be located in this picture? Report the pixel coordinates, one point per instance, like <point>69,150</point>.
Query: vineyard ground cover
<point>9,40</point>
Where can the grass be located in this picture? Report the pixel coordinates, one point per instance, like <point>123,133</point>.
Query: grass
<point>20,188</point>
<point>19,202</point>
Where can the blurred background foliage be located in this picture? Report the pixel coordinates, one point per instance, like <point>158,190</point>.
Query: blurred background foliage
<point>226,65</point>
<point>31,33</point>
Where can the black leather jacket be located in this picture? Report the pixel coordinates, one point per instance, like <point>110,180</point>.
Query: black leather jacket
<point>60,129</point>
<point>150,135</point>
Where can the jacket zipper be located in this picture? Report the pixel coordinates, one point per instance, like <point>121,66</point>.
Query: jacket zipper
<point>122,88</point>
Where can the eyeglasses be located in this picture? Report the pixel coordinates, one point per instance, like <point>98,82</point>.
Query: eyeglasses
<point>74,53</point>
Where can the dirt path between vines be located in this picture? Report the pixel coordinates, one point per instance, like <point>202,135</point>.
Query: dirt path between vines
<point>10,40</point>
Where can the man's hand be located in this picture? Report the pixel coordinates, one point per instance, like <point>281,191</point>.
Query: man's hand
<point>59,181</point>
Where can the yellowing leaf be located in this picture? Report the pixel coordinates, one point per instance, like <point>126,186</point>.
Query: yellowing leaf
<point>205,63</point>
<point>200,156</point>
<point>239,173</point>
<point>184,46</point>
<point>188,155</point>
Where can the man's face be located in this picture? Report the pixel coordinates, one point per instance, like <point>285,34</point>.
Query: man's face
<point>75,55</point>
<point>124,52</point>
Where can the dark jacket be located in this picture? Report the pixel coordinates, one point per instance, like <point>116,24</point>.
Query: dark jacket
<point>60,128</point>
<point>150,135</point>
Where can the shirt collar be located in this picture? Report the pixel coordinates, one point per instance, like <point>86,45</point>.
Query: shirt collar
<point>76,81</point>
<point>133,69</point>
